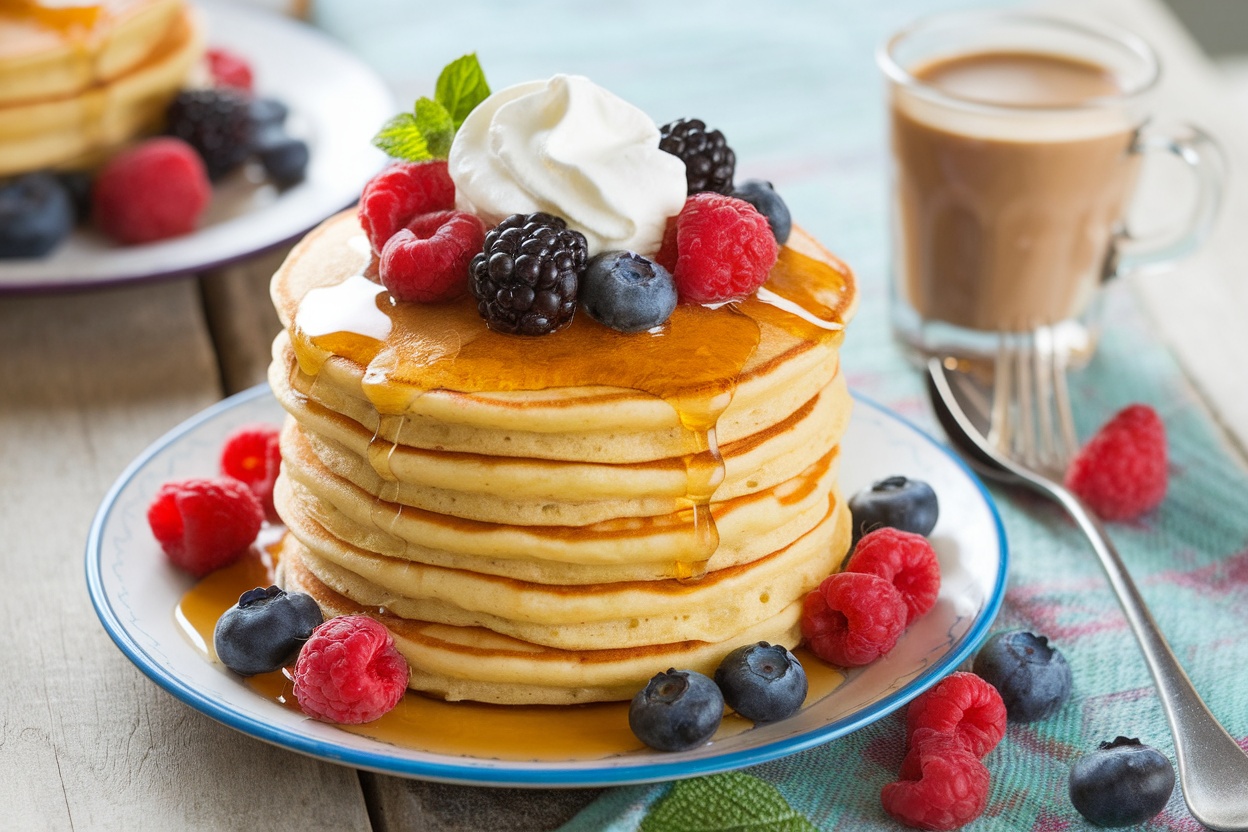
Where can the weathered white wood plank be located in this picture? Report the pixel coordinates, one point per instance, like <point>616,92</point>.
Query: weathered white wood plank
<point>241,318</point>
<point>86,741</point>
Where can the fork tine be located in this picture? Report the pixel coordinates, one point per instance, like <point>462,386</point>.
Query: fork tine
<point>1025,391</point>
<point>1065,418</point>
<point>1042,356</point>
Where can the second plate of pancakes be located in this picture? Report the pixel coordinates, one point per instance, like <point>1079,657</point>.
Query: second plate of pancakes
<point>336,105</point>
<point>136,593</point>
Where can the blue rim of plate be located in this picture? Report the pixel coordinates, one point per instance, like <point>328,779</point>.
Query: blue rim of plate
<point>531,774</point>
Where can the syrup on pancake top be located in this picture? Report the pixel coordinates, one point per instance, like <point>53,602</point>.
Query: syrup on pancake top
<point>544,504</point>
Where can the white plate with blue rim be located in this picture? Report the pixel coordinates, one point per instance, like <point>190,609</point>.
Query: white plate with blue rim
<point>135,593</point>
<point>337,103</point>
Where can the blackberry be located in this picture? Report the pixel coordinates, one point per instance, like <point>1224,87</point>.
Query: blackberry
<point>709,161</point>
<point>216,122</point>
<point>525,278</point>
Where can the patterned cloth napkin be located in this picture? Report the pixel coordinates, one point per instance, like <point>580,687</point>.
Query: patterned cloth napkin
<point>795,89</point>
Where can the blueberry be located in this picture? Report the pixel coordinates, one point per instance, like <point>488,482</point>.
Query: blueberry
<point>1122,783</point>
<point>626,291</point>
<point>285,159</point>
<point>762,195</point>
<point>762,682</point>
<point>268,112</point>
<point>1031,675</point>
<point>36,214</point>
<point>677,710</point>
<point>265,630</point>
<point>897,502</point>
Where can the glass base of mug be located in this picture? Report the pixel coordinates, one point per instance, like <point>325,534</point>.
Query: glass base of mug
<point>921,339</point>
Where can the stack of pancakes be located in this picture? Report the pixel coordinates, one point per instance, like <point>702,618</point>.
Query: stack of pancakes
<point>556,519</point>
<point>77,82</point>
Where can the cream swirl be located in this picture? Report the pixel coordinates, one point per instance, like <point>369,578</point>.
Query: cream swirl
<point>570,148</point>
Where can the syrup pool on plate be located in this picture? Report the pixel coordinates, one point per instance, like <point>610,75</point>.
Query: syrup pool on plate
<point>552,733</point>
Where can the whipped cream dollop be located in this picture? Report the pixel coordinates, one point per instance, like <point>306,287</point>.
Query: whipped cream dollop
<point>570,148</point>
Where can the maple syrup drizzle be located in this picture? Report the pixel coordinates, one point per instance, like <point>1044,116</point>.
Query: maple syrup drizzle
<point>550,733</point>
<point>63,17</point>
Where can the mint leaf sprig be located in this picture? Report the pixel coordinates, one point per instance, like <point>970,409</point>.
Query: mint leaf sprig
<point>426,132</point>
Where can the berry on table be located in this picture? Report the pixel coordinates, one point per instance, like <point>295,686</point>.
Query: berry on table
<point>284,158</point>
<point>264,630</point>
<point>676,710</point>
<point>155,190</point>
<point>853,618</point>
<point>1031,675</point>
<point>762,195</point>
<point>217,123</point>
<point>36,214</point>
<point>762,682</point>
<point>709,161</point>
<point>428,260</point>
<point>1121,473</point>
<point>627,292</point>
<point>942,785</point>
<point>203,524</point>
<point>229,69</point>
<point>963,706</point>
<point>526,277</point>
<point>717,248</point>
<point>349,671</point>
<point>1122,783</point>
<point>896,502</point>
<point>252,455</point>
<point>399,194</point>
<point>905,560</point>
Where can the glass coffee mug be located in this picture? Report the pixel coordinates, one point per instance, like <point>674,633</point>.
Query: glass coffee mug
<point>1016,143</point>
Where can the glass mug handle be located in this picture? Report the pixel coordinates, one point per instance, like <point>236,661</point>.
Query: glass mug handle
<point>1205,160</point>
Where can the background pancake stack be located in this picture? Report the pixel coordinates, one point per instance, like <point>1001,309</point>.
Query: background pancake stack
<point>77,82</point>
<point>556,519</point>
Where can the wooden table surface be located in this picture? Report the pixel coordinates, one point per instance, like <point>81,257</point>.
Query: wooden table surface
<point>88,379</point>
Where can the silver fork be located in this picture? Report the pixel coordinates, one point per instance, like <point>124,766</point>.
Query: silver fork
<point>1213,770</point>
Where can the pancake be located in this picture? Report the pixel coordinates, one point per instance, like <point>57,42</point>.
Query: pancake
<point>48,52</point>
<point>474,663</point>
<point>586,508</point>
<point>82,128</point>
<point>749,528</point>
<point>617,614</point>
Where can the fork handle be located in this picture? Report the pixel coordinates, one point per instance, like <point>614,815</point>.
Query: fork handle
<point>1213,769</point>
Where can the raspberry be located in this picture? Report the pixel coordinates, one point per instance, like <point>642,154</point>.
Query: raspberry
<point>853,618</point>
<point>252,455</point>
<point>942,785</point>
<point>401,192</point>
<point>349,671</point>
<point>428,260</point>
<point>229,69</point>
<point>1121,472</point>
<point>718,248</point>
<point>157,189</point>
<point>203,524</point>
<point>905,559</point>
<point>216,122</point>
<point>963,706</point>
